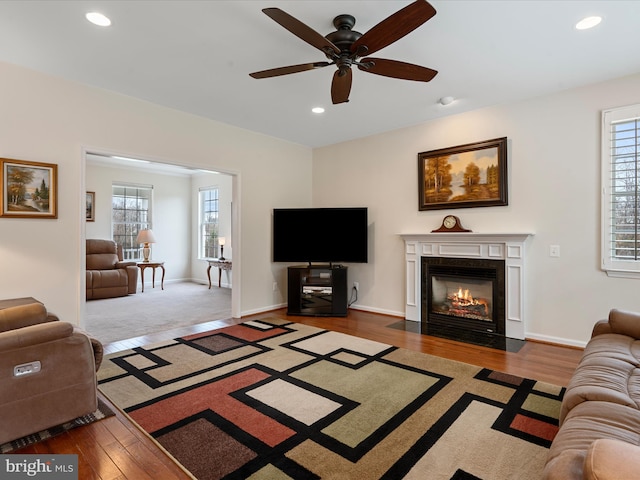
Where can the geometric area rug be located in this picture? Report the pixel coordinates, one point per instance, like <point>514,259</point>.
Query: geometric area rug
<point>273,399</point>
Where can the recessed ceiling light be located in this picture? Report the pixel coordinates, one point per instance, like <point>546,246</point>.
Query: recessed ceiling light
<point>588,22</point>
<point>446,100</point>
<point>98,19</point>
<point>317,110</point>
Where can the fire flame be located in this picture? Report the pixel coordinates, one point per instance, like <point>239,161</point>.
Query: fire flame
<point>464,295</point>
<point>464,298</point>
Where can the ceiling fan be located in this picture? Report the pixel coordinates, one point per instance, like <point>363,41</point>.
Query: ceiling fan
<point>345,47</point>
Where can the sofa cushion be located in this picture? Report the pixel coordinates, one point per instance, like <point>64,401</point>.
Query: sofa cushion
<point>109,279</point>
<point>609,459</point>
<point>609,371</point>
<point>101,254</point>
<point>584,424</point>
<point>102,261</point>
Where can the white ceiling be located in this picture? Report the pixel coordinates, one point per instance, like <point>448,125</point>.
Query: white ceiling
<point>196,56</point>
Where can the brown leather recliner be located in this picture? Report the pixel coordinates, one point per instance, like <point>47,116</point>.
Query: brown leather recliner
<point>107,275</point>
<point>47,370</point>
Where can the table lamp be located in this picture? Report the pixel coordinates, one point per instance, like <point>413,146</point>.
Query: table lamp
<point>146,237</point>
<point>221,242</point>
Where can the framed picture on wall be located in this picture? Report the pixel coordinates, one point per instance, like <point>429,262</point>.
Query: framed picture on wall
<point>91,206</point>
<point>472,175</point>
<point>28,189</point>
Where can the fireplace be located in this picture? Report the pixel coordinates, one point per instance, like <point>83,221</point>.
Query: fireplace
<point>463,294</point>
<point>508,309</point>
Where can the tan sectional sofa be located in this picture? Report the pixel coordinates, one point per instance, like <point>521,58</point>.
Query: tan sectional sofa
<point>599,435</point>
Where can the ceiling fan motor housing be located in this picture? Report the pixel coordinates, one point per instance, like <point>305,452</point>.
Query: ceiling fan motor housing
<point>344,36</point>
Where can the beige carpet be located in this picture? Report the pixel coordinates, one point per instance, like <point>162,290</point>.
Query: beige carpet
<point>155,310</point>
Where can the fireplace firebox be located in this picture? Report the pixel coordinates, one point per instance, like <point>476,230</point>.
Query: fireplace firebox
<point>464,294</point>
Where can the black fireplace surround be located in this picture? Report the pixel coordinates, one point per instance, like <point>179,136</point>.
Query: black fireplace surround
<point>445,284</point>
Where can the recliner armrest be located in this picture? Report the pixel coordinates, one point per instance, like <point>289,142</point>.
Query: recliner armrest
<point>625,323</point>
<point>20,316</point>
<point>35,335</point>
<point>125,264</point>
<point>96,345</point>
<point>600,327</point>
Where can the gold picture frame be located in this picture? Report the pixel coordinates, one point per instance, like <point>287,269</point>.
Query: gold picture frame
<point>471,175</point>
<point>91,206</point>
<point>28,189</point>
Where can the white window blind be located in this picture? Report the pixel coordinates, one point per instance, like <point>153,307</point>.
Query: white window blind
<point>621,191</point>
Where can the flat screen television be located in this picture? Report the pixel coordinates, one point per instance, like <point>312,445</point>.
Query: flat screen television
<point>321,235</point>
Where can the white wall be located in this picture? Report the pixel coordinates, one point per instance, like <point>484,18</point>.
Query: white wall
<point>554,192</point>
<point>554,185</point>
<point>170,213</point>
<point>50,120</point>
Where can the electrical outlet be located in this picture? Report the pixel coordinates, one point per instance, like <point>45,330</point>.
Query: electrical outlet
<point>554,250</point>
<point>275,286</point>
<point>356,285</point>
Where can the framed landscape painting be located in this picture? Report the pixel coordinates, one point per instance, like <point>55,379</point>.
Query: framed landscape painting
<point>28,189</point>
<point>472,175</point>
<point>91,206</point>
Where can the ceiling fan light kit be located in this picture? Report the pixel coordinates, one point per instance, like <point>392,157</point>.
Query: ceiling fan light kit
<point>345,47</point>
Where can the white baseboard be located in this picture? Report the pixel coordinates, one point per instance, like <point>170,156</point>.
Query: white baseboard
<point>556,340</point>
<point>355,307</point>
<point>246,313</point>
<point>381,311</point>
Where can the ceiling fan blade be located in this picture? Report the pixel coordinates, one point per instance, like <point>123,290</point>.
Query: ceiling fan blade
<point>302,31</point>
<point>275,72</point>
<point>396,69</point>
<point>393,28</point>
<point>341,86</point>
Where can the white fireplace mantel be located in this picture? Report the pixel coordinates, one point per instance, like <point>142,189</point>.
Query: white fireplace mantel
<point>509,247</point>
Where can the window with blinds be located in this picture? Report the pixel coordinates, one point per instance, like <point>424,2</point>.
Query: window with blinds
<point>130,213</point>
<point>621,191</point>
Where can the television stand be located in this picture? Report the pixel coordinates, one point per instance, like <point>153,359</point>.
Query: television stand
<point>317,290</point>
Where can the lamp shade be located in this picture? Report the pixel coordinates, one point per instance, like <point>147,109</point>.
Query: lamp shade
<point>222,241</point>
<point>145,236</point>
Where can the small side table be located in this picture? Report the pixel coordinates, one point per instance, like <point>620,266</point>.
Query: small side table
<point>153,265</point>
<point>220,265</point>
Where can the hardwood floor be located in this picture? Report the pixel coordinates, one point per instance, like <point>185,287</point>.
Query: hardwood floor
<point>114,448</point>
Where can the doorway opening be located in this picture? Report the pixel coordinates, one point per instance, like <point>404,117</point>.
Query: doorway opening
<point>175,210</point>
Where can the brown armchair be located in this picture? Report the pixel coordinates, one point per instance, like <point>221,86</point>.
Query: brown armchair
<point>107,275</point>
<point>47,370</point>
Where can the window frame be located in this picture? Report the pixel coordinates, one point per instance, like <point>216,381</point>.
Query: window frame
<point>202,224</point>
<point>612,266</point>
<point>131,251</point>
